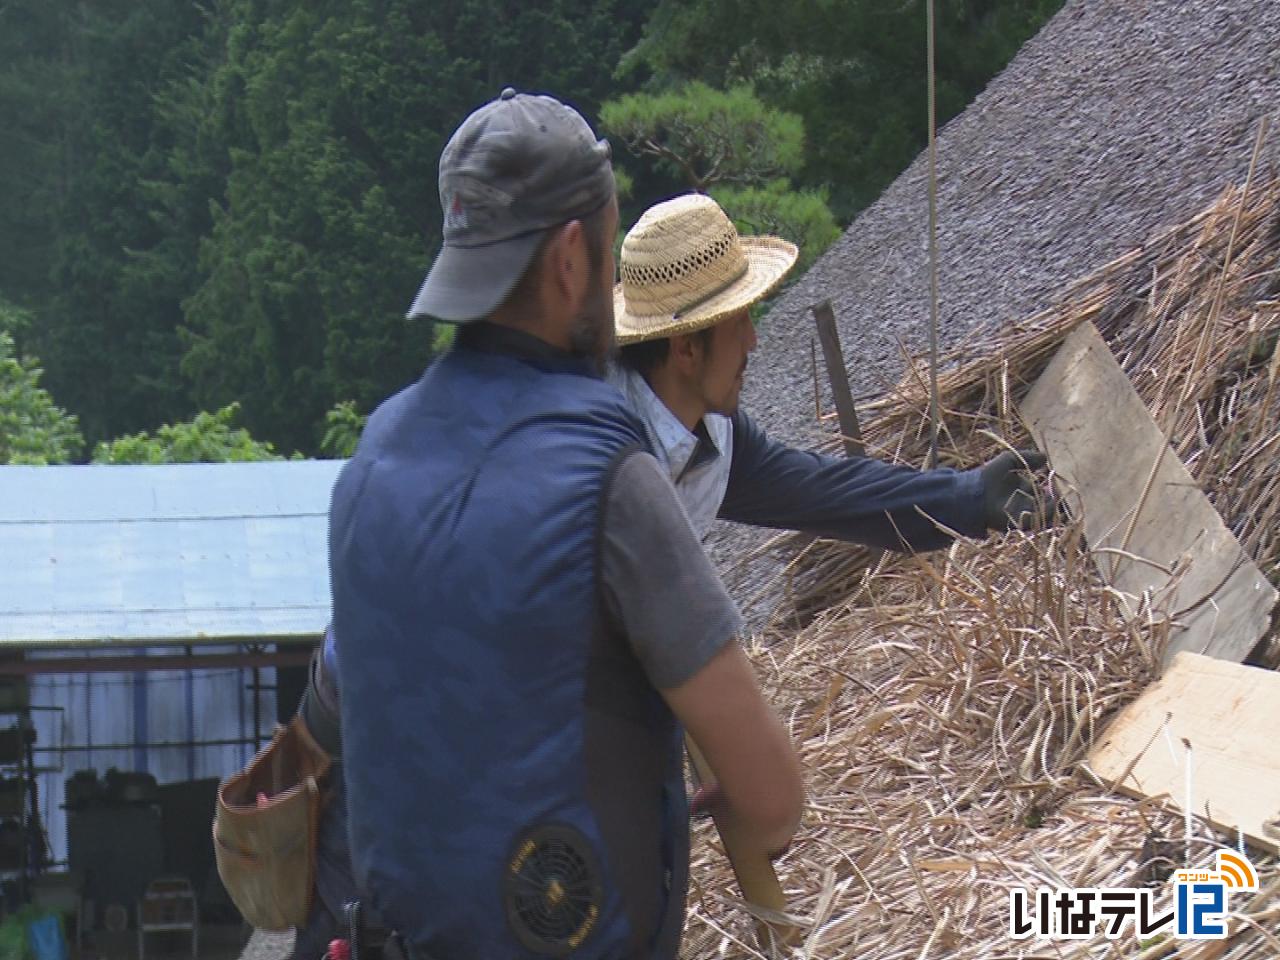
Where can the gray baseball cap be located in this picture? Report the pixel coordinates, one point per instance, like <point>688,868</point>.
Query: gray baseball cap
<point>515,168</point>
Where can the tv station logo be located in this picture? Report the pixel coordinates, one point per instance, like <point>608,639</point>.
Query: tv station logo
<point>1198,912</point>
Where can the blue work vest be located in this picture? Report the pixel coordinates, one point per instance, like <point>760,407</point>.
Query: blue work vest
<point>514,782</point>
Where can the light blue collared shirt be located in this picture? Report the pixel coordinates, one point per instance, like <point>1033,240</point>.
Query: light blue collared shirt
<point>697,462</point>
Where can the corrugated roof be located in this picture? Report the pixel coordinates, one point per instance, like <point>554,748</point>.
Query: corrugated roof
<point>188,553</point>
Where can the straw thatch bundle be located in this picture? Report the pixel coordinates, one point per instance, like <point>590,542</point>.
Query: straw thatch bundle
<point>943,703</point>
<point>1115,120</point>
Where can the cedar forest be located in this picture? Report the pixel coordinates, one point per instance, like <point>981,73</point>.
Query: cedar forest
<point>215,214</point>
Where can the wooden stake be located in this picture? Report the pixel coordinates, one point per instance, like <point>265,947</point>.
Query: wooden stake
<point>830,338</point>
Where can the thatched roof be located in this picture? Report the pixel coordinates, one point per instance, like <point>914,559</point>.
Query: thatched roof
<point>1116,120</point>
<point>943,704</point>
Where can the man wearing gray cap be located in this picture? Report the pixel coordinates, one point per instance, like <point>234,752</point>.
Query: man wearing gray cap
<point>524,618</point>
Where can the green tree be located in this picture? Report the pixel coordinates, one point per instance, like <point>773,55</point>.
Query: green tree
<point>733,146</point>
<point>78,96</point>
<point>775,208</point>
<point>234,200</point>
<point>16,322</point>
<point>33,429</point>
<point>41,103</point>
<point>854,70</point>
<point>343,426</point>
<point>333,116</point>
<point>207,438</point>
<point>707,137</point>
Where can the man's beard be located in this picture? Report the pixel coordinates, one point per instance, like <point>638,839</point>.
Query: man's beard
<point>592,333</point>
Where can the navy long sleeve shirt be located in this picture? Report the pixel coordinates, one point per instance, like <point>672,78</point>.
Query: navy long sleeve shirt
<point>856,498</point>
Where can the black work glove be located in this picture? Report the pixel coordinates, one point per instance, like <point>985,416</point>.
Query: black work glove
<point>1010,499</point>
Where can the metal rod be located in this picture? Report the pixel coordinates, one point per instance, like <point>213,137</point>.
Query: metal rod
<point>88,713</point>
<point>934,413</point>
<point>189,694</point>
<point>257,710</point>
<point>240,715</point>
<point>129,664</point>
<point>140,714</point>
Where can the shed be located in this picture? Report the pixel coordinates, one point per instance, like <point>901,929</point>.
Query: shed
<point>150,607</point>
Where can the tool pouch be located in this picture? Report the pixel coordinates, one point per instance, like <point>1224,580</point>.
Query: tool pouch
<point>266,851</point>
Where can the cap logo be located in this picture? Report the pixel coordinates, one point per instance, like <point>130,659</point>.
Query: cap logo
<point>456,216</point>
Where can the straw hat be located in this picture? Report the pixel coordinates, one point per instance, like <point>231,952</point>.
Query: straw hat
<point>684,268</point>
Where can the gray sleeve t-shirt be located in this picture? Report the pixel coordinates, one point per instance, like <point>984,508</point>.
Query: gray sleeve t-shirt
<point>659,585</point>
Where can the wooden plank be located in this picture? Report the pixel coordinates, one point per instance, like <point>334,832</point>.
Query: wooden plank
<point>850,429</point>
<point>1229,714</point>
<point>1151,529</point>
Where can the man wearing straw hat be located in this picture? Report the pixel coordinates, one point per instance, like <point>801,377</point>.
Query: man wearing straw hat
<point>682,315</point>
<point>524,619</point>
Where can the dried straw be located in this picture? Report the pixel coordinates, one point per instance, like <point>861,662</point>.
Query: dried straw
<point>942,704</point>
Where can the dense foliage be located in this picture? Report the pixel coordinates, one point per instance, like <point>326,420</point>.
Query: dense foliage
<point>33,429</point>
<point>208,438</point>
<point>228,206</point>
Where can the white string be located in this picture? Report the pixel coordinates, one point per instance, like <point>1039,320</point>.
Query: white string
<point>934,411</point>
<point>1188,808</point>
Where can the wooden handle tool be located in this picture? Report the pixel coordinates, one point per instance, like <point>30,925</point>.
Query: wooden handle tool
<point>755,874</point>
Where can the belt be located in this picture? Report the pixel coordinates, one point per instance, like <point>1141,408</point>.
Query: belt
<point>324,725</point>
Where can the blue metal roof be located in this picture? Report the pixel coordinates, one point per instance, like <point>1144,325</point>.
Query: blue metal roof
<point>185,553</point>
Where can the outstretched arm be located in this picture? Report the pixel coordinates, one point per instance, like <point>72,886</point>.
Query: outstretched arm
<point>860,499</point>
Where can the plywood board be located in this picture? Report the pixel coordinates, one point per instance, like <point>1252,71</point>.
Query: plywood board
<point>1229,714</point>
<point>1169,544</point>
